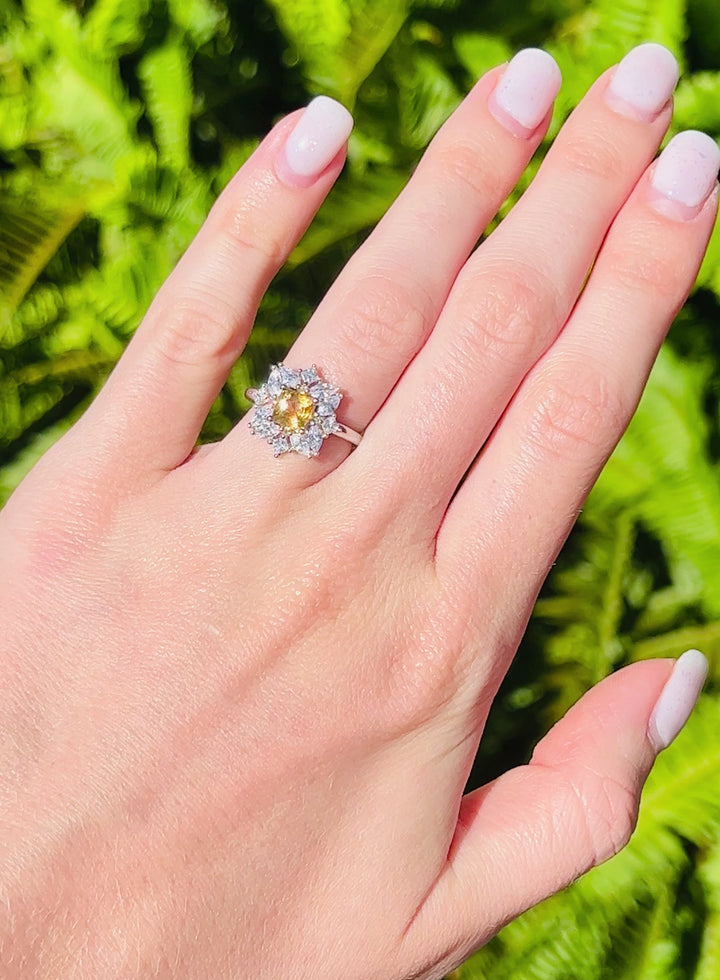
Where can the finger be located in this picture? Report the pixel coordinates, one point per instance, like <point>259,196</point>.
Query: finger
<point>161,390</point>
<point>385,302</point>
<point>536,470</point>
<point>512,298</point>
<point>537,828</point>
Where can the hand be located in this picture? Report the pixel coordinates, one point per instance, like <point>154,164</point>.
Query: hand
<point>240,695</point>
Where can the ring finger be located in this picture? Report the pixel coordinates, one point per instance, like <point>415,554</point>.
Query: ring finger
<point>382,307</point>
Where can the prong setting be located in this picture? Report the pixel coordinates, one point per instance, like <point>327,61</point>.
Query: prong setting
<point>294,410</point>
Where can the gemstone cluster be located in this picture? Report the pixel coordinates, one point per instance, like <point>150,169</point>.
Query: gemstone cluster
<point>295,410</point>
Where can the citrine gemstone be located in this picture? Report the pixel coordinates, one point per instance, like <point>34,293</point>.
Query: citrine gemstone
<point>293,410</point>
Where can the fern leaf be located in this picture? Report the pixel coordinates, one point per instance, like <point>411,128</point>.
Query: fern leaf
<point>167,86</point>
<point>605,30</point>
<point>426,97</point>
<point>477,53</point>
<point>662,468</point>
<point>83,109</point>
<point>709,874</point>
<point>115,25</point>
<point>198,19</point>
<point>338,41</point>
<point>697,102</point>
<point>30,232</point>
<point>14,100</point>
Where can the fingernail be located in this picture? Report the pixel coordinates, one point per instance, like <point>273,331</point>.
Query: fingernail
<point>677,699</point>
<point>685,175</point>
<point>643,82</point>
<point>318,137</point>
<point>525,93</point>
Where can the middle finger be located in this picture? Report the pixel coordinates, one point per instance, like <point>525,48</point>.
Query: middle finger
<point>515,293</point>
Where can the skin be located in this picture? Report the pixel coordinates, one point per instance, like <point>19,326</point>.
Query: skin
<point>240,696</point>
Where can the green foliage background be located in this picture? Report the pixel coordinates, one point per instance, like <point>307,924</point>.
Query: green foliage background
<point>121,120</point>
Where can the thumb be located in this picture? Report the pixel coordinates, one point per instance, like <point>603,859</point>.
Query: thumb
<point>536,828</point>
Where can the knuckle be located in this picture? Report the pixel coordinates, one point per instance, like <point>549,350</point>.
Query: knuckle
<point>578,412</point>
<point>247,225</point>
<point>200,327</point>
<point>599,812</point>
<point>464,164</point>
<point>637,270</point>
<point>506,312</point>
<point>383,320</point>
<point>608,809</point>
<point>589,155</point>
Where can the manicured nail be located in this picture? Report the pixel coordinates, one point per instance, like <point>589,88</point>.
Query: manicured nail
<point>685,175</point>
<point>643,82</point>
<point>677,699</point>
<point>318,137</point>
<point>525,93</point>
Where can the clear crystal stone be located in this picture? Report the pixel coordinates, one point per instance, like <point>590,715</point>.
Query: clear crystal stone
<point>281,444</point>
<point>314,439</point>
<point>289,379</point>
<point>327,424</point>
<point>263,426</point>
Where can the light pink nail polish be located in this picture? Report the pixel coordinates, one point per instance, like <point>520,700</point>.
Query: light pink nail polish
<point>525,93</point>
<point>643,82</point>
<point>685,175</point>
<point>677,699</point>
<point>318,137</point>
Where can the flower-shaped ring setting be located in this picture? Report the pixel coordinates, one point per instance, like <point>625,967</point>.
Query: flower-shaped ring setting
<point>294,411</point>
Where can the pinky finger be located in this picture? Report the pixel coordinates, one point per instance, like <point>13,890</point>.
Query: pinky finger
<point>156,400</point>
<point>535,829</point>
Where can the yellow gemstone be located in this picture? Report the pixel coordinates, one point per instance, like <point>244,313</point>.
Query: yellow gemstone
<point>293,410</point>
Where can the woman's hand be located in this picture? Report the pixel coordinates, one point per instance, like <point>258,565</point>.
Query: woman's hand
<point>240,695</point>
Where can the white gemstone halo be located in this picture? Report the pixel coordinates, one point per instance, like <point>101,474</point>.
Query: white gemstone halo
<point>304,430</point>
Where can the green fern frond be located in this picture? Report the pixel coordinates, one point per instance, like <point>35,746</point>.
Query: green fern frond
<point>339,41</point>
<point>709,275</point>
<point>697,102</point>
<point>708,967</point>
<point>115,25</point>
<point>704,636</point>
<point>477,53</point>
<point>426,97</point>
<point>662,469</point>
<point>603,32</point>
<point>14,100</point>
<point>84,118</point>
<point>198,19</point>
<point>30,232</point>
<point>167,86</point>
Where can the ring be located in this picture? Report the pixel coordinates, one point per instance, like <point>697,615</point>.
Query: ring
<point>295,411</point>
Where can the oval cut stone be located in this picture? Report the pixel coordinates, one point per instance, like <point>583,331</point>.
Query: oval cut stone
<point>293,410</point>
